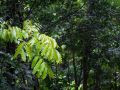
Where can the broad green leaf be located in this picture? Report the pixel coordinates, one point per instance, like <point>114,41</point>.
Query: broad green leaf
<point>42,66</point>
<point>24,34</point>
<point>50,72</point>
<point>57,56</point>
<point>44,50</point>
<point>31,42</point>
<point>43,38</point>
<point>1,34</point>
<point>37,66</point>
<point>23,55</point>
<point>41,69</point>
<point>53,42</point>
<point>51,54</point>
<point>13,32</point>
<point>8,36</point>
<point>4,34</point>
<point>38,46</point>
<point>29,51</point>
<point>18,50</point>
<point>35,61</point>
<point>48,53</point>
<point>44,74</point>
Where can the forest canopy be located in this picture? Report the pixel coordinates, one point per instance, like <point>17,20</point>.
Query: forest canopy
<point>59,44</point>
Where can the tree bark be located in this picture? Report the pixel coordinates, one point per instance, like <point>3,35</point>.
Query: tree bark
<point>85,72</point>
<point>87,43</point>
<point>75,72</point>
<point>68,76</point>
<point>97,78</point>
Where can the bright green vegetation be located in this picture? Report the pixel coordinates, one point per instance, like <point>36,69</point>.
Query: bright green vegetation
<point>35,50</point>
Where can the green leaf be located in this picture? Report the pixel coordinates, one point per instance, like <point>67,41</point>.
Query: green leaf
<point>50,72</point>
<point>51,54</point>
<point>31,42</point>
<point>8,36</point>
<point>41,69</point>
<point>0,34</point>
<point>35,61</point>
<point>48,53</point>
<point>4,34</point>
<point>42,37</point>
<point>24,34</point>
<point>44,73</point>
<point>37,66</point>
<point>29,51</point>
<point>13,34</point>
<point>44,50</point>
<point>57,56</point>
<point>38,46</point>
<point>23,55</point>
<point>19,49</point>
<point>53,42</point>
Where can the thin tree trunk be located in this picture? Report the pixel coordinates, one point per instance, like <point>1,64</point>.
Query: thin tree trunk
<point>97,78</point>
<point>68,76</point>
<point>56,80</point>
<point>115,80</point>
<point>75,72</point>
<point>85,73</point>
<point>87,40</point>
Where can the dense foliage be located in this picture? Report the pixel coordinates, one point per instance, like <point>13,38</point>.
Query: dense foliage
<point>59,45</point>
